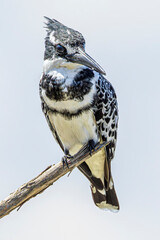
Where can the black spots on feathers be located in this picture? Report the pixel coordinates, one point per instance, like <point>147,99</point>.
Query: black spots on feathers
<point>98,114</point>
<point>102,127</point>
<point>100,95</point>
<point>107,120</point>
<point>112,125</point>
<point>115,134</point>
<point>110,132</point>
<point>110,151</point>
<point>106,98</point>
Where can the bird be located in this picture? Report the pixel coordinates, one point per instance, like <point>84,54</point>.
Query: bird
<point>80,106</point>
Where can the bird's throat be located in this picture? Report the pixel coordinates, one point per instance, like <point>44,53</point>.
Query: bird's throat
<point>60,64</point>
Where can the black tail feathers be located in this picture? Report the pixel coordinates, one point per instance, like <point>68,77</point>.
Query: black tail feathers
<point>105,199</point>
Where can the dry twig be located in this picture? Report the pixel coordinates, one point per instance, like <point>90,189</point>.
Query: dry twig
<point>44,180</point>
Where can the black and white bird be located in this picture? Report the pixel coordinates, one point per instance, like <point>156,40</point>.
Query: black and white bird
<point>80,106</point>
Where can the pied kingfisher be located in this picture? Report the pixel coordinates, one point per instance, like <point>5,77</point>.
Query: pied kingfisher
<point>80,106</point>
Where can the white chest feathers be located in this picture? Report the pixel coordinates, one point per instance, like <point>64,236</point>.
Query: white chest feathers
<point>75,132</point>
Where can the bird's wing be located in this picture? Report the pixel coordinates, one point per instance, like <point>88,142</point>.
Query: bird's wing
<point>106,115</point>
<point>46,112</point>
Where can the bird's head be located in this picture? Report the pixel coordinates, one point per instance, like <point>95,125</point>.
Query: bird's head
<point>65,47</point>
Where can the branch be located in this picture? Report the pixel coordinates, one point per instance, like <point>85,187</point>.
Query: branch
<point>44,180</point>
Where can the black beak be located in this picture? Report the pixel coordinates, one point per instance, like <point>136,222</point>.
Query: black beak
<point>83,58</point>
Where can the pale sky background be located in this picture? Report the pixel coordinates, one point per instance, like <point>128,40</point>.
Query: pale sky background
<point>124,38</point>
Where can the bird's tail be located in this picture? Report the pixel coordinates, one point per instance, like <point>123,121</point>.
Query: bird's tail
<point>105,199</point>
<point>103,191</point>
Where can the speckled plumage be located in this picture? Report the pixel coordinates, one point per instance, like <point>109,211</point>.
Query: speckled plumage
<point>80,106</point>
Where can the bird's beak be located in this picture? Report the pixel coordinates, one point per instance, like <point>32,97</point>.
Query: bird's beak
<point>81,57</point>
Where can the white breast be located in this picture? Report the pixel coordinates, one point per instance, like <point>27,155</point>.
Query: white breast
<point>75,132</point>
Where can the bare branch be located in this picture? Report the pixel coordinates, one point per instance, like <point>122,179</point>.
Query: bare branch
<point>44,180</point>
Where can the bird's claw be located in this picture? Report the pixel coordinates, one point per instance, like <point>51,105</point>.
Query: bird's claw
<point>64,160</point>
<point>91,146</point>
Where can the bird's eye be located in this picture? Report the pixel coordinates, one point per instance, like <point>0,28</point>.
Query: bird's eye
<point>60,49</point>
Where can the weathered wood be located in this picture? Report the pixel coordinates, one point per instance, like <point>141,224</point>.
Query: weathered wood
<point>44,180</point>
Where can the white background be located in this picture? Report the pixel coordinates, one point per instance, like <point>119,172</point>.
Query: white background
<point>123,37</point>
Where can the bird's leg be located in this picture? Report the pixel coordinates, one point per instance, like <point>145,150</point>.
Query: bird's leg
<point>91,146</point>
<point>65,157</point>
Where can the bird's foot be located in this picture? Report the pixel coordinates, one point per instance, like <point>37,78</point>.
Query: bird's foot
<point>64,160</point>
<point>91,145</point>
